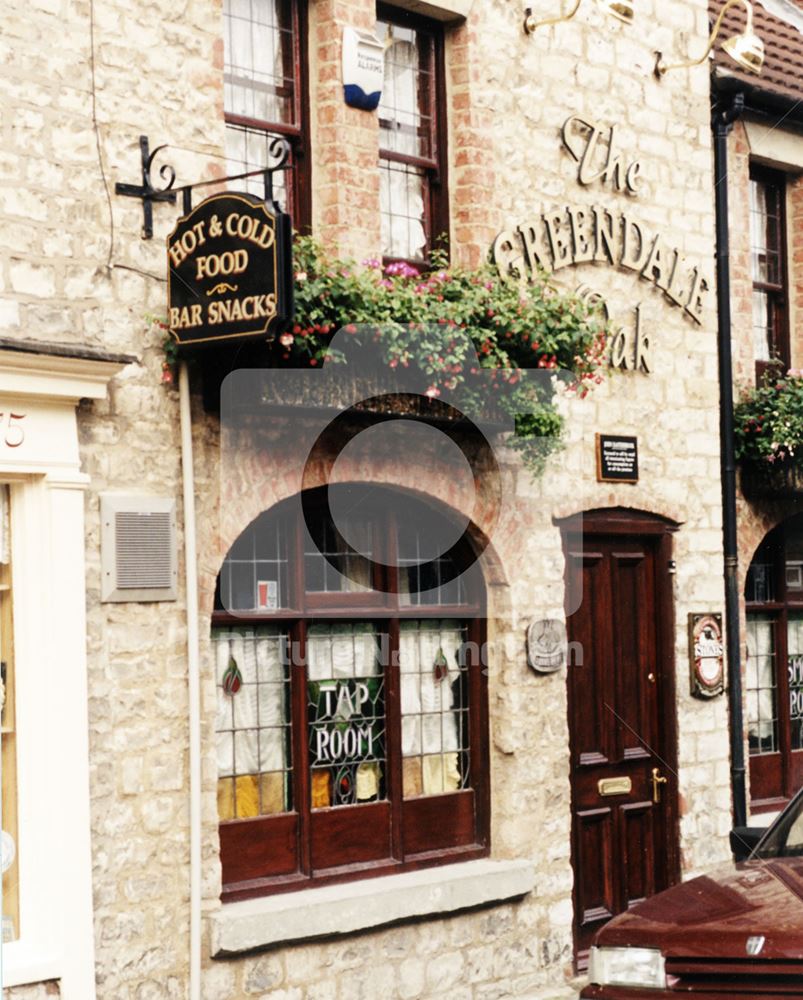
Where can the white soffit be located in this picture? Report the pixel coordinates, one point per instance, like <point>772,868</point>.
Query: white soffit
<point>55,376</point>
<point>776,146</point>
<point>785,10</point>
<point>448,11</point>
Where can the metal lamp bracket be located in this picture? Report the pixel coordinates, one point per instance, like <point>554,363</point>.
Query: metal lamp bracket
<point>278,151</point>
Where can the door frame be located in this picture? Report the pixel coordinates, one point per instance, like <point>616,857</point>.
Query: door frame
<point>639,524</point>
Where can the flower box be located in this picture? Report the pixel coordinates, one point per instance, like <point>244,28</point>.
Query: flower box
<point>782,480</point>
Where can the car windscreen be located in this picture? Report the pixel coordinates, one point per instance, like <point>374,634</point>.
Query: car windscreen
<point>784,839</point>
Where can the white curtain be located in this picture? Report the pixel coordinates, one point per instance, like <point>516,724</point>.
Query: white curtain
<point>341,650</point>
<point>760,671</point>
<point>250,724</point>
<point>254,71</point>
<point>401,188</point>
<point>430,720</point>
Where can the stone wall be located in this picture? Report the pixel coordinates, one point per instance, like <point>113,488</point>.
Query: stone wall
<point>39,991</point>
<point>74,269</point>
<point>601,71</point>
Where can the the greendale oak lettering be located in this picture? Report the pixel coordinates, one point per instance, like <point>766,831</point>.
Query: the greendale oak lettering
<point>586,234</point>
<point>571,235</point>
<point>614,171</point>
<point>229,272</point>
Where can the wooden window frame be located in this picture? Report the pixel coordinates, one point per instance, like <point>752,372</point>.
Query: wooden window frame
<point>777,292</point>
<point>297,133</point>
<point>776,776</point>
<point>305,846</point>
<point>436,202</point>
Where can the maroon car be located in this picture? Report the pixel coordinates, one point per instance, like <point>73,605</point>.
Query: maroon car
<point>735,933</point>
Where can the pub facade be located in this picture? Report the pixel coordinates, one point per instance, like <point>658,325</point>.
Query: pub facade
<point>764,166</point>
<point>302,701</point>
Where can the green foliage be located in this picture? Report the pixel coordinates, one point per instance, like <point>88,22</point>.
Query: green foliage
<point>768,420</point>
<point>440,322</point>
<point>465,330</point>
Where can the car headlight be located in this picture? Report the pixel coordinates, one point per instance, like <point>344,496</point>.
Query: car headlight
<point>627,967</point>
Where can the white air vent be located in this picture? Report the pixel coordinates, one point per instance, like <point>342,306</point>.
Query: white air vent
<point>138,548</point>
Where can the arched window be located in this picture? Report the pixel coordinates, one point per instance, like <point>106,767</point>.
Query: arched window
<point>774,676</point>
<point>351,699</point>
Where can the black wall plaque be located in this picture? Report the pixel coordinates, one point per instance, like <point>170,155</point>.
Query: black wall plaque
<point>617,458</point>
<point>229,271</point>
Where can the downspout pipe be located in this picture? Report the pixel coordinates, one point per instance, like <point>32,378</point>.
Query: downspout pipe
<point>193,678</point>
<point>722,123</point>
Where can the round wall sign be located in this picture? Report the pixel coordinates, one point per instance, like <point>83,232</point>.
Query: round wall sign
<point>546,645</point>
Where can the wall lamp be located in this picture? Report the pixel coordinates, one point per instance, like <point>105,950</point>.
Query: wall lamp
<point>620,9</point>
<point>746,48</point>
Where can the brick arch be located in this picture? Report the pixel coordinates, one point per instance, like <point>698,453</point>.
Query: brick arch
<point>494,574</point>
<point>755,524</point>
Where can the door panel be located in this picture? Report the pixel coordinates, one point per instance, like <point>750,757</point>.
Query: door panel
<point>639,858</point>
<point>593,845</point>
<point>623,841</point>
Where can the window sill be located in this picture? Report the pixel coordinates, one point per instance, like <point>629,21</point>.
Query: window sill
<point>343,909</point>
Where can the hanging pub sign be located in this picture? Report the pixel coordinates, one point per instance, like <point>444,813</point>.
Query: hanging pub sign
<point>229,271</point>
<point>706,655</point>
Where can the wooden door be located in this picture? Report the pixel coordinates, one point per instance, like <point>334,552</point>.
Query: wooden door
<point>621,719</point>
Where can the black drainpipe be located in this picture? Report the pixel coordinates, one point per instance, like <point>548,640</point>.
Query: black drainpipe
<point>722,122</point>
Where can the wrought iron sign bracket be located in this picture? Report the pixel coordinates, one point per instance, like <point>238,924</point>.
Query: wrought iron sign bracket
<point>278,150</point>
<point>146,191</point>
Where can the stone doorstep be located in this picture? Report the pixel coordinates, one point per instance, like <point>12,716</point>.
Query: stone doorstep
<point>332,911</point>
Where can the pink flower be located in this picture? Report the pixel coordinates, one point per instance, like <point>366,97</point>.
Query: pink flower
<point>301,275</point>
<point>401,269</point>
<point>372,262</point>
<point>286,339</point>
<point>432,392</point>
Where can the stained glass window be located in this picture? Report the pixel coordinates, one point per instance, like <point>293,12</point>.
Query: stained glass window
<point>253,722</point>
<point>353,705</point>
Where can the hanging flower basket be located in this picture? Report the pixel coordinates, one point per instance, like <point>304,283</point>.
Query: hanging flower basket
<point>768,430</point>
<point>449,325</point>
<point>782,481</point>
